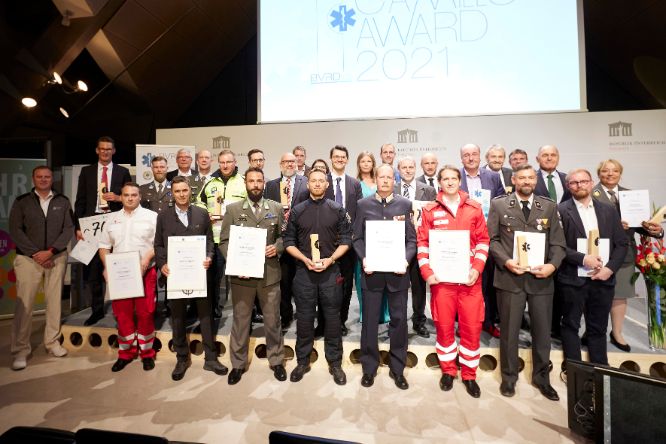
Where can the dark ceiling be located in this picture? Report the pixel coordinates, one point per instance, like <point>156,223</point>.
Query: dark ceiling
<point>152,64</point>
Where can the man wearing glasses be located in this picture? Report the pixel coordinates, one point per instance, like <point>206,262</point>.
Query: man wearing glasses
<point>184,162</point>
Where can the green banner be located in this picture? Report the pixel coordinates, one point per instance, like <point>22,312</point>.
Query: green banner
<point>15,179</point>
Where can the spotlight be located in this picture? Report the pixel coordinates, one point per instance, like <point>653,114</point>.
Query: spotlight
<point>81,86</point>
<point>29,102</point>
<point>64,112</point>
<point>56,78</point>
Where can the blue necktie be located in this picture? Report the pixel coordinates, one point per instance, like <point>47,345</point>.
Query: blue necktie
<point>338,191</point>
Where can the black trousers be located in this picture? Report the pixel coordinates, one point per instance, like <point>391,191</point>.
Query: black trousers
<point>593,300</point>
<point>93,276</point>
<point>214,276</point>
<point>347,268</point>
<point>489,294</point>
<point>418,294</point>
<point>312,288</point>
<point>288,268</point>
<point>372,307</point>
<point>180,344</point>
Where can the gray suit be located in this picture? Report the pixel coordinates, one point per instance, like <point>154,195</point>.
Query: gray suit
<point>514,290</point>
<point>267,289</point>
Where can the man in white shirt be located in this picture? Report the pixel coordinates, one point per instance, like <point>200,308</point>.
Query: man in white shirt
<point>133,229</point>
<point>429,163</point>
<point>301,168</point>
<point>495,157</point>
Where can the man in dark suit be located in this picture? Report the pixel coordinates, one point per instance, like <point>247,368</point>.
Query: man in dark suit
<point>415,191</point>
<point>289,189</point>
<point>184,219</point>
<point>590,295</point>
<point>156,195</point>
<point>345,190</point>
<point>474,178</point>
<point>550,182</point>
<point>523,211</point>
<point>203,174</point>
<point>495,157</point>
<point>184,162</point>
<point>98,192</point>
<point>385,205</point>
<point>301,168</point>
<point>429,163</point>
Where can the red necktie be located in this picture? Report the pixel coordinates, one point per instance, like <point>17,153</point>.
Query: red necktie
<point>105,178</point>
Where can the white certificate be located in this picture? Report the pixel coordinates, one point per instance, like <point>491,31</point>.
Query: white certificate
<point>84,251</point>
<point>482,196</point>
<point>91,227</point>
<point>417,208</point>
<point>604,252</point>
<point>385,246</point>
<point>635,206</point>
<point>185,257</point>
<point>124,276</point>
<point>185,294</point>
<point>246,254</point>
<point>450,255</point>
<point>535,245</point>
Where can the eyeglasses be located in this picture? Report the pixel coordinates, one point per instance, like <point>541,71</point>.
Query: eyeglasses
<point>287,161</point>
<point>579,183</point>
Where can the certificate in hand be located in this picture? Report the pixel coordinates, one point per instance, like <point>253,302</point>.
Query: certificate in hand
<point>246,254</point>
<point>385,246</point>
<point>534,246</point>
<point>604,252</point>
<point>185,257</point>
<point>84,251</point>
<point>449,255</point>
<point>124,276</point>
<point>635,206</point>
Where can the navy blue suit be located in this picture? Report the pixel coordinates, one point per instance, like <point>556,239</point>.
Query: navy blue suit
<point>541,188</point>
<point>490,180</point>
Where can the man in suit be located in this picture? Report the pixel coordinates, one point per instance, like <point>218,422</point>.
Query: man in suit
<point>184,162</point>
<point>429,165</point>
<point>475,178</point>
<point>523,211</point>
<point>415,191</point>
<point>256,212</point>
<point>550,182</point>
<point>301,168</point>
<point>495,157</point>
<point>98,192</point>
<point>385,205</point>
<point>517,157</point>
<point>184,219</point>
<point>345,190</point>
<point>203,174</point>
<point>387,154</point>
<point>591,295</point>
<point>289,189</point>
<point>156,195</point>
<point>256,158</point>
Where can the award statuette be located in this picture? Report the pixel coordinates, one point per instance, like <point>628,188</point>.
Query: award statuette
<point>593,243</point>
<point>523,248</point>
<point>218,206</point>
<point>316,254</point>
<point>103,204</point>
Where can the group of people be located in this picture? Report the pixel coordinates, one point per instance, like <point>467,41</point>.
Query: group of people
<point>316,219</point>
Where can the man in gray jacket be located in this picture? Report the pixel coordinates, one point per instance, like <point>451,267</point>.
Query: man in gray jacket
<point>41,225</point>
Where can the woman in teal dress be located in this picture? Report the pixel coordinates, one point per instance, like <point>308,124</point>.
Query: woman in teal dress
<point>366,167</point>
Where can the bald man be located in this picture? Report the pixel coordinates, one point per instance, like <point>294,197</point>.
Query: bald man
<point>429,163</point>
<point>550,182</point>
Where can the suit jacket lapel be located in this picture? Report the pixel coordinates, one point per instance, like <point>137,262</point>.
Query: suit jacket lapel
<point>575,218</point>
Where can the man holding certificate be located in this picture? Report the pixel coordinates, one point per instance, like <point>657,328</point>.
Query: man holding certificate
<point>587,275</point>
<point>132,229</point>
<point>527,243</point>
<point>385,241</point>
<point>185,220</point>
<point>260,219</point>
<point>452,251</point>
<point>318,233</point>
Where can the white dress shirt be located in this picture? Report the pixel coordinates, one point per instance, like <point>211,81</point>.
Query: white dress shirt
<point>44,202</point>
<point>100,171</point>
<point>335,177</point>
<point>133,231</point>
<point>587,215</point>
<point>559,189</point>
<point>182,216</point>
<point>411,187</point>
<point>434,182</point>
<point>473,182</point>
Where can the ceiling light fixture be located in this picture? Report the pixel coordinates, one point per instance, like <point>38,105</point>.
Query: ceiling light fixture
<point>29,102</point>
<point>64,112</point>
<point>81,86</point>
<point>56,78</point>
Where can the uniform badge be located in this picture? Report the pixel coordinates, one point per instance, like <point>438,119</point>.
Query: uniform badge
<point>537,204</point>
<point>539,227</point>
<point>512,203</point>
<point>543,222</point>
<point>401,217</point>
<point>596,193</point>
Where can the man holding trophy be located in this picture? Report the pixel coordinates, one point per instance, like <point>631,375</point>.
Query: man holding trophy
<point>318,233</point>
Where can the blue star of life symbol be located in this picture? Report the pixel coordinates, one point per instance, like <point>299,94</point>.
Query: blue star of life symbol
<point>343,17</point>
<point>145,160</point>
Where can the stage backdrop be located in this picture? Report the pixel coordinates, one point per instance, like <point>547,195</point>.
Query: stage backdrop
<point>635,138</point>
<point>15,179</point>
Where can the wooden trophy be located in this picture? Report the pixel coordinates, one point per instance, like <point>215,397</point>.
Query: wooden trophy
<point>103,204</point>
<point>218,206</point>
<point>593,243</point>
<point>284,197</point>
<point>316,254</point>
<point>523,249</point>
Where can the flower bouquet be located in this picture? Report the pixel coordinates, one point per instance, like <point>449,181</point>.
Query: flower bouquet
<point>651,263</point>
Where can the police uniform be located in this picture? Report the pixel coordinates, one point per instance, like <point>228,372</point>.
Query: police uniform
<point>505,218</point>
<point>330,221</point>
<point>269,215</point>
<point>155,200</point>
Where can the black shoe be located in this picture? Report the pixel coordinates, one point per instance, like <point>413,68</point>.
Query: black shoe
<point>257,318</point>
<point>120,364</point>
<point>216,367</point>
<point>446,382</point>
<point>422,331</point>
<point>298,372</point>
<point>623,347</point>
<point>548,391</point>
<point>235,376</point>
<point>279,372</point>
<point>344,330</point>
<point>93,319</point>
<point>472,388</point>
<point>319,332</point>
<point>508,389</point>
<point>400,380</point>
<point>180,369</point>
<point>367,380</point>
<point>338,375</point>
<point>148,363</point>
